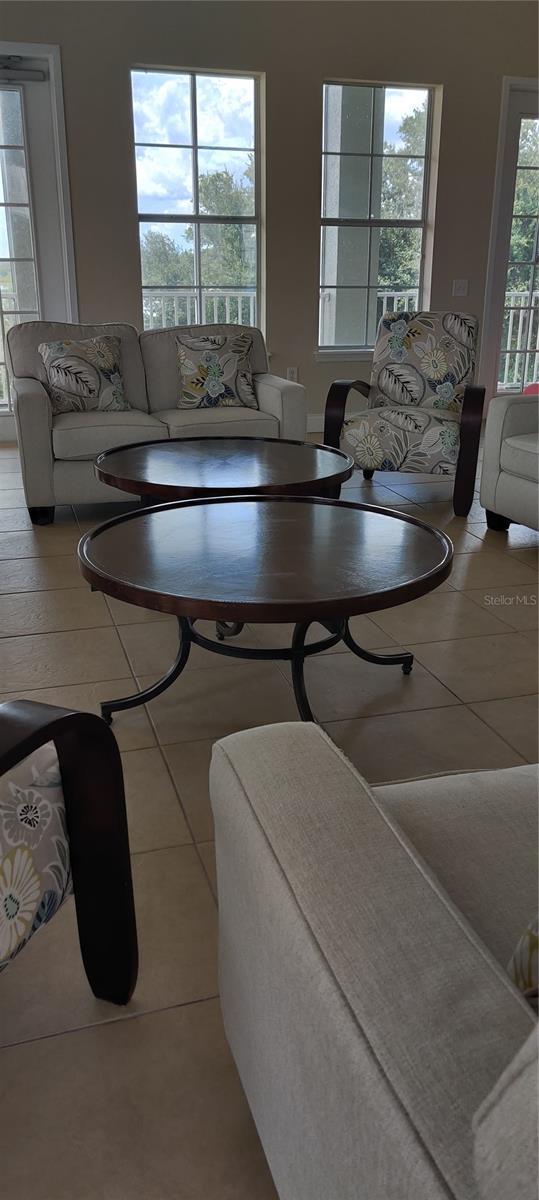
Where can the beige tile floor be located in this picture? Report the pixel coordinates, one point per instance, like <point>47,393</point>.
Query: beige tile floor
<point>113,1104</point>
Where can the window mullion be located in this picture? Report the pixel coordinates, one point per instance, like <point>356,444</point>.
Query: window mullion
<point>196,201</point>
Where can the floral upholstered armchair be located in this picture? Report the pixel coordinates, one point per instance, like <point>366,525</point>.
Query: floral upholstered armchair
<point>63,829</point>
<point>423,413</point>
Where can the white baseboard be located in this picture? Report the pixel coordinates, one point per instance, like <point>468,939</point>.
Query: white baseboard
<point>315,422</point>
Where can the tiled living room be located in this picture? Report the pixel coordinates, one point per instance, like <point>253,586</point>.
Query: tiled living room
<point>354,946</point>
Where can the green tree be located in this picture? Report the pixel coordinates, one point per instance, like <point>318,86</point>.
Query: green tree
<point>400,199</point>
<point>163,264</point>
<point>227,251</point>
<point>525,209</point>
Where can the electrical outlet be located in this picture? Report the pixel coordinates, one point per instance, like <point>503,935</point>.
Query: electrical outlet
<point>292,374</point>
<point>460,287</point>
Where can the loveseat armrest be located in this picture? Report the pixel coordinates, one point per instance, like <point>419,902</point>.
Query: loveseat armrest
<point>284,400</point>
<point>33,418</point>
<point>506,417</point>
<point>367,1020</point>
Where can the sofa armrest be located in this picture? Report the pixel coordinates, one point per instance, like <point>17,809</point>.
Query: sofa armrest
<point>284,400</point>
<point>364,1014</point>
<point>506,416</point>
<point>33,418</point>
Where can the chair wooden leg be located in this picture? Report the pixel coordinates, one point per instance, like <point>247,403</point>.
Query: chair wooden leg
<point>97,829</point>
<point>470,432</point>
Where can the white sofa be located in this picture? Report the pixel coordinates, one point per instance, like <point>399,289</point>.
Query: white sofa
<point>364,940</point>
<point>58,452</point>
<point>510,474</point>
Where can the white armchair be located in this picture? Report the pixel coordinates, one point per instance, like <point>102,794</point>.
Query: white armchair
<point>58,452</point>
<point>510,474</point>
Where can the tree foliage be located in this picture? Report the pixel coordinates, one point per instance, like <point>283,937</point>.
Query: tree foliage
<point>401,196</point>
<point>228,252</point>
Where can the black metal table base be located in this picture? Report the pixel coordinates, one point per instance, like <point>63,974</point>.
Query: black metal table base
<point>295,654</point>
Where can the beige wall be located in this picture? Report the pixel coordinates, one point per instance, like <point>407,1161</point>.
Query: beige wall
<point>465,46</point>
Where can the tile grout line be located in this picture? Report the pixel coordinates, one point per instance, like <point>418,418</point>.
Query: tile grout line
<point>133,1016</point>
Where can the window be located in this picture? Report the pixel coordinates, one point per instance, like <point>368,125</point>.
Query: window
<point>519,351</point>
<point>374,199</point>
<point>197,184</point>
<point>18,289</point>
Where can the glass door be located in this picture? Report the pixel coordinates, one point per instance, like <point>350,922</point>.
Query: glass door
<point>19,299</point>
<point>37,275</point>
<point>510,342</point>
<point>518,364</point>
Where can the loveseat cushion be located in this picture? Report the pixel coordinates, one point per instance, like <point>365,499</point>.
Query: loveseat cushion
<point>505,1129</point>
<point>225,422</point>
<point>159,355</point>
<point>85,435</point>
<point>520,456</point>
<point>26,362</point>
<point>478,833</point>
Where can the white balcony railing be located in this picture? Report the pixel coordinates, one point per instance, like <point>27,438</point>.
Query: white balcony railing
<point>181,306</point>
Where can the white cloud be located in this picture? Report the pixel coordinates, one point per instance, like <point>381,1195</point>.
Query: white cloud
<point>161,106</point>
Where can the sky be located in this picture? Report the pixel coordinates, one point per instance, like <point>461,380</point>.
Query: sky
<point>400,102</point>
<point>162,114</point>
<point>225,118</point>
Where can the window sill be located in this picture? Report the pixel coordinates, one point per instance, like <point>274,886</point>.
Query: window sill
<point>338,354</point>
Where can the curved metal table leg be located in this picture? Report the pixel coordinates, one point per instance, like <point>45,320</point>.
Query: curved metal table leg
<point>150,693</point>
<point>406,660</point>
<point>297,660</point>
<point>226,629</point>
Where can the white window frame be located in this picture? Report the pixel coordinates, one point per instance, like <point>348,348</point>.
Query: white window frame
<point>514,90</point>
<point>359,351</point>
<point>197,219</point>
<point>48,178</point>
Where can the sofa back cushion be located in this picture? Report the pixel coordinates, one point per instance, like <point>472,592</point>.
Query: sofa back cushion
<point>505,1131</point>
<point>160,358</point>
<point>25,360</point>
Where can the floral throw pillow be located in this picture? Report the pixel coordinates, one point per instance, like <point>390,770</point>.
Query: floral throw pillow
<point>523,967</point>
<point>84,375</point>
<point>35,873</point>
<point>215,371</point>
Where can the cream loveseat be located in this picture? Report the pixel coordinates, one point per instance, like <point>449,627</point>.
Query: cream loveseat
<point>364,942</point>
<point>510,474</point>
<point>58,452</point>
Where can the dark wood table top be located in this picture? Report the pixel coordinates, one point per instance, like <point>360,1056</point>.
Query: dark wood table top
<point>183,468</point>
<point>265,559</point>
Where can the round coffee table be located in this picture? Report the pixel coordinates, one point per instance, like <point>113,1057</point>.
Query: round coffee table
<point>264,559</point>
<point>184,468</point>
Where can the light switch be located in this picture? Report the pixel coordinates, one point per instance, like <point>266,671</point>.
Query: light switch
<point>460,287</point>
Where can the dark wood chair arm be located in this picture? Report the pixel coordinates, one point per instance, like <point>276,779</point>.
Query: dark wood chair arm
<point>470,433</point>
<point>336,405</point>
<point>93,788</point>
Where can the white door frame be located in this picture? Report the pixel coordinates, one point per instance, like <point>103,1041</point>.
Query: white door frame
<point>51,54</point>
<point>500,233</point>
